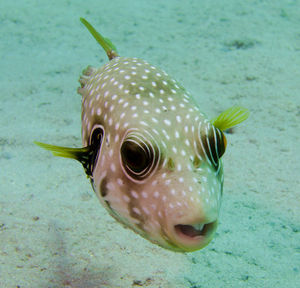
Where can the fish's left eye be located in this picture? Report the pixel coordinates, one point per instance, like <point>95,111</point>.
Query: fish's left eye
<point>138,156</point>
<point>95,144</point>
<point>213,143</point>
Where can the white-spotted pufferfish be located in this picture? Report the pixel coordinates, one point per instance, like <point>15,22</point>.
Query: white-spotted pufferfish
<point>154,160</point>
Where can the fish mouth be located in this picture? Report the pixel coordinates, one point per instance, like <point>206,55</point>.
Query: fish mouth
<point>194,236</point>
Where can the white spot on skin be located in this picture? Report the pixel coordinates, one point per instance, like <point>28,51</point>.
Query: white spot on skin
<point>120,182</point>
<point>110,152</point>
<point>126,198</point>
<point>167,122</point>
<point>166,134</point>
<point>147,212</point>
<point>134,194</point>
<point>144,123</point>
<point>154,183</point>
<point>136,210</point>
<point>113,167</point>
<point>167,182</point>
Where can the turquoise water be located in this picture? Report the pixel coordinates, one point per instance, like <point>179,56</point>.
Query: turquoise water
<point>53,231</point>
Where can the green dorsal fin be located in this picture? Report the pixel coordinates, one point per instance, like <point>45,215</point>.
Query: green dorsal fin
<point>83,155</point>
<point>105,43</point>
<point>231,117</point>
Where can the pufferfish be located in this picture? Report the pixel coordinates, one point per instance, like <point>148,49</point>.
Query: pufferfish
<point>153,159</point>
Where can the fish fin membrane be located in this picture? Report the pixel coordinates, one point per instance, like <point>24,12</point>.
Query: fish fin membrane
<point>231,117</point>
<point>105,43</point>
<point>66,152</point>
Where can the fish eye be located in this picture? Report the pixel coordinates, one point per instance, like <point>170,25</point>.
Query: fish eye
<point>221,142</point>
<point>95,143</point>
<point>138,156</point>
<point>135,156</point>
<point>212,143</point>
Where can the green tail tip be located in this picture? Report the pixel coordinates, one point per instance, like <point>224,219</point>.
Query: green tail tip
<point>105,43</point>
<point>231,117</point>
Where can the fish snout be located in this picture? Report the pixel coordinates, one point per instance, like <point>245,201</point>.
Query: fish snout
<point>194,231</point>
<point>194,236</point>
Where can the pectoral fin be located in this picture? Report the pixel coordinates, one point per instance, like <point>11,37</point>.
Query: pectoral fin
<point>83,155</point>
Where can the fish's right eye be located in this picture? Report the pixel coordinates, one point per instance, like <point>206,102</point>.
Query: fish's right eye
<point>135,156</point>
<point>139,156</point>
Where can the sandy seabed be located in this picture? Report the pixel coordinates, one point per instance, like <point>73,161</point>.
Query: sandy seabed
<point>54,233</point>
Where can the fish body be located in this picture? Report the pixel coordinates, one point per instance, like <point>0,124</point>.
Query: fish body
<point>154,160</point>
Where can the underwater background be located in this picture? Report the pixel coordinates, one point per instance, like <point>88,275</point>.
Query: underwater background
<point>54,232</point>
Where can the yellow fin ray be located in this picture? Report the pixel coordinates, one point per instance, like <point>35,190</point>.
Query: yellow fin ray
<point>66,152</point>
<point>231,117</point>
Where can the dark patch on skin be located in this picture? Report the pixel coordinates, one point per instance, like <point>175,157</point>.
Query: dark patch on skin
<point>103,188</point>
<point>163,233</point>
<point>141,218</point>
<point>113,213</point>
<point>196,162</point>
<point>171,164</point>
<point>135,203</point>
<point>108,205</point>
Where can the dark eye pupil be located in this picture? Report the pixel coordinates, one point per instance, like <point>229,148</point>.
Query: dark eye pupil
<point>135,156</point>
